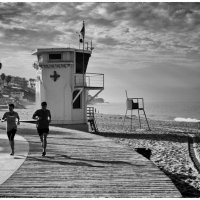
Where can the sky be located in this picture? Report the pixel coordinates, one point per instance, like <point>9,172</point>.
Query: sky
<point>151,49</point>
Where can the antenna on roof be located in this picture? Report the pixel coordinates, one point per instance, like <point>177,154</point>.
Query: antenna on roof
<point>91,47</point>
<point>78,39</point>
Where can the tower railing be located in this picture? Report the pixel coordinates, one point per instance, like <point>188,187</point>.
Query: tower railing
<point>91,80</point>
<point>90,112</point>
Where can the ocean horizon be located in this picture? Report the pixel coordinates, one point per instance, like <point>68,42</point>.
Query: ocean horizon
<point>173,111</point>
<point>170,111</point>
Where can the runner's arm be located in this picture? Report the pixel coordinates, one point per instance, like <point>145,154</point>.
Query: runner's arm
<point>49,116</point>
<point>4,118</point>
<point>18,122</point>
<point>35,115</point>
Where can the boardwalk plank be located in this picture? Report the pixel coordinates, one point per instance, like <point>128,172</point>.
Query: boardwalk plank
<point>82,165</point>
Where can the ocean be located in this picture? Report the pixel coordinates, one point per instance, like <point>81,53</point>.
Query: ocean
<point>173,111</point>
<point>177,111</point>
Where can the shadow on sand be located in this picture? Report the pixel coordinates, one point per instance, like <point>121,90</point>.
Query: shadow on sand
<point>149,136</point>
<point>186,190</point>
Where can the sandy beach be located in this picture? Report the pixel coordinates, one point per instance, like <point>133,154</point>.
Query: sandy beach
<point>168,141</point>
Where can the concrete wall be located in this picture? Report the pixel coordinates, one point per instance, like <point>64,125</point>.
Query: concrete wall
<point>59,94</point>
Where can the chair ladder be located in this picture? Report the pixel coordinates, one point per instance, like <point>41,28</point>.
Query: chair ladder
<point>145,118</point>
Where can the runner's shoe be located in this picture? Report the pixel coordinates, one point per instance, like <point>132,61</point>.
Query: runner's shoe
<point>44,153</point>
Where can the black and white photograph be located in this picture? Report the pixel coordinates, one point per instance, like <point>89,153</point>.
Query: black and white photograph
<point>99,99</point>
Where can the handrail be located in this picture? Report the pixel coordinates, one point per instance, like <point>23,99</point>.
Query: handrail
<point>90,112</point>
<point>95,73</point>
<point>89,80</point>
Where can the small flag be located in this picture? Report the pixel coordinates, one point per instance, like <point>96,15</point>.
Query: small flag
<point>83,31</point>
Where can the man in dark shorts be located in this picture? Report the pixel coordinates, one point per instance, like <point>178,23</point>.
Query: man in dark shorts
<point>43,117</point>
<point>11,127</point>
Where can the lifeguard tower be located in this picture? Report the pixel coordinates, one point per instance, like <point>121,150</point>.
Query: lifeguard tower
<point>63,83</point>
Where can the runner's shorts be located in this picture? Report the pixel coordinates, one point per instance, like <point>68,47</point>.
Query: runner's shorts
<point>41,131</point>
<point>11,134</point>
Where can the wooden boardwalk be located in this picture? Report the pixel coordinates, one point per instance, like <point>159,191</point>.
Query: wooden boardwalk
<point>83,165</point>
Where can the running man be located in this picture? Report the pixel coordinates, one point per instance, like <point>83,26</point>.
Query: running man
<point>43,117</point>
<point>11,127</point>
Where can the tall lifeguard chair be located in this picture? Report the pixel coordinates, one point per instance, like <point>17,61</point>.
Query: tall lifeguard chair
<point>135,104</point>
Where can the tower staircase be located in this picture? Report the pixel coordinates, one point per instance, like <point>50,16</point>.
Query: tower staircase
<point>91,119</point>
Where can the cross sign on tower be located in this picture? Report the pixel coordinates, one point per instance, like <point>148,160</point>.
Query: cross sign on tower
<point>55,76</point>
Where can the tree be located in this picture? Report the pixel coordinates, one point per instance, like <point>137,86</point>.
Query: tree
<point>3,76</point>
<point>24,83</point>
<point>8,79</point>
<point>0,65</point>
<point>32,82</point>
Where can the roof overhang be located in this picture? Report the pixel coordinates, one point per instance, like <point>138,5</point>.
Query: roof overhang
<point>58,50</point>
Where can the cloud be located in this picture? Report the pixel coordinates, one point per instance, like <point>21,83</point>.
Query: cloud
<point>13,9</point>
<point>119,24</point>
<point>108,41</point>
<point>29,39</point>
<point>176,17</point>
<point>134,43</point>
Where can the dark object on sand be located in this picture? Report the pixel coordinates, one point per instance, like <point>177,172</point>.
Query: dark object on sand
<point>145,152</point>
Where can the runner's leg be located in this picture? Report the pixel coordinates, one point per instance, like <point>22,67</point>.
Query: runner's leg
<point>41,139</point>
<point>40,135</point>
<point>12,144</point>
<point>13,140</point>
<point>45,142</point>
<point>11,136</point>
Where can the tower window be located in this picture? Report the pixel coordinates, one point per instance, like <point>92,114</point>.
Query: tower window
<point>55,56</point>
